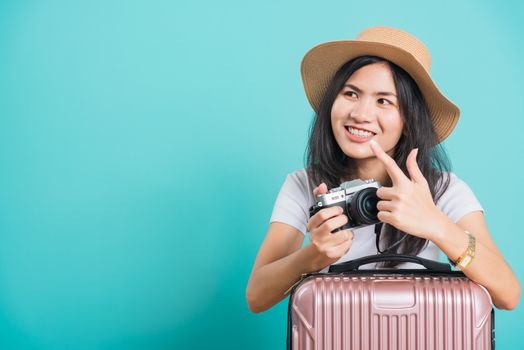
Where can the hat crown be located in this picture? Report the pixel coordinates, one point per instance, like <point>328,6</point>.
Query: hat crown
<point>398,38</point>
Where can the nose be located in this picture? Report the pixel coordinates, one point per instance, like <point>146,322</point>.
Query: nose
<point>362,111</point>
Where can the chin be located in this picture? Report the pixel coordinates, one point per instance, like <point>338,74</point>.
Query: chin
<point>353,153</point>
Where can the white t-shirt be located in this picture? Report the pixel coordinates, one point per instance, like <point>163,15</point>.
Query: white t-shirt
<point>296,197</point>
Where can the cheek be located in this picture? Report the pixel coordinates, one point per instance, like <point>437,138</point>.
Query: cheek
<point>398,127</point>
<point>337,110</point>
<point>392,124</point>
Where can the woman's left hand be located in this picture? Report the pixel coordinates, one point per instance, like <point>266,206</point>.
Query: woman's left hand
<point>408,205</point>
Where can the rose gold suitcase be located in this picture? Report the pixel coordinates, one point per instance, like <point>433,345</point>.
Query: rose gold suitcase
<point>349,308</point>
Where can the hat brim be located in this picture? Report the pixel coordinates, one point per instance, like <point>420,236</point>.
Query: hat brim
<point>320,64</point>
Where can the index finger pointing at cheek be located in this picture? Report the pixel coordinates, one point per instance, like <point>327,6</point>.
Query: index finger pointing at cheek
<point>396,174</point>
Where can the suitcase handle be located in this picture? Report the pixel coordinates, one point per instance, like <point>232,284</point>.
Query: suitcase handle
<point>353,265</point>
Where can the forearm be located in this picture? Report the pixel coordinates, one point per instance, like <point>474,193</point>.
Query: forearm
<point>488,267</point>
<point>270,283</point>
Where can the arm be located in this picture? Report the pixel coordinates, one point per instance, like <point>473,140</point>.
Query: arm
<point>281,261</point>
<point>279,264</point>
<point>409,207</point>
<point>488,268</point>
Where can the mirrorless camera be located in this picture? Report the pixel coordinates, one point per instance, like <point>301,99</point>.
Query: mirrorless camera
<point>358,198</point>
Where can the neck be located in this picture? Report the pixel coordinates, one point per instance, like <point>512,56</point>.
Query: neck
<point>371,168</point>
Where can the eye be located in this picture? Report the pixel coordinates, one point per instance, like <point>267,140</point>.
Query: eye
<point>350,93</point>
<point>383,101</point>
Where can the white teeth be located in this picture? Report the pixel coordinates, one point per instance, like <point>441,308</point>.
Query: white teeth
<point>359,133</point>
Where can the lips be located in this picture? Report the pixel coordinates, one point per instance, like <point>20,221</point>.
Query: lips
<point>359,138</point>
<point>358,128</point>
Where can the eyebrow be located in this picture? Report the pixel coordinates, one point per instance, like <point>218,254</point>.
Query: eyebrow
<point>382,93</point>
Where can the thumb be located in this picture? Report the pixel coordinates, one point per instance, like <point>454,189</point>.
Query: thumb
<point>320,189</point>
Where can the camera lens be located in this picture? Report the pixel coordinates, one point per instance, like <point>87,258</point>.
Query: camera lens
<point>363,207</point>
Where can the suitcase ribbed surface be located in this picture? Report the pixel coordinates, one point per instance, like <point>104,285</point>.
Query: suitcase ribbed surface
<point>390,312</point>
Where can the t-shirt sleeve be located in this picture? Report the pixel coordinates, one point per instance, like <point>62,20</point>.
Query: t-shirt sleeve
<point>458,200</point>
<point>293,202</point>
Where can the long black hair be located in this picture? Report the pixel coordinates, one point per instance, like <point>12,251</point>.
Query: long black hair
<point>326,162</point>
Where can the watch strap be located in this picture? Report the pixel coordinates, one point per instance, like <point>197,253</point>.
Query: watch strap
<point>467,257</point>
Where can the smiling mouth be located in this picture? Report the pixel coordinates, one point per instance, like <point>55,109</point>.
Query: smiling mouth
<point>359,133</point>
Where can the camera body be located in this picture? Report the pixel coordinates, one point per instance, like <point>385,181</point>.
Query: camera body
<point>358,198</point>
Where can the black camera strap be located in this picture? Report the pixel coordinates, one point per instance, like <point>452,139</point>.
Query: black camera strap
<point>378,231</point>
<point>378,228</point>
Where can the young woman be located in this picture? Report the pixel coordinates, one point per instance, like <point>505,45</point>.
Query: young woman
<point>378,115</point>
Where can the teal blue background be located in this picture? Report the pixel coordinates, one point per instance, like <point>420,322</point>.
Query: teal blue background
<point>143,143</point>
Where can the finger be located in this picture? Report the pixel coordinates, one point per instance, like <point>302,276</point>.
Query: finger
<point>387,193</point>
<point>339,250</point>
<point>320,189</point>
<point>386,217</point>
<point>413,169</point>
<point>341,237</point>
<point>323,215</point>
<point>385,206</point>
<point>396,174</point>
<point>350,234</point>
<point>334,223</point>
<point>331,242</point>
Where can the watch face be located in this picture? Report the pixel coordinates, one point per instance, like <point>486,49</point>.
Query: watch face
<point>465,261</point>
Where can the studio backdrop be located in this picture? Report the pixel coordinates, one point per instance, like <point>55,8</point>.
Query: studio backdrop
<point>143,144</point>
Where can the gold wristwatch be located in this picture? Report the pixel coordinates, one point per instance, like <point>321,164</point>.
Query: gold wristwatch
<point>467,257</point>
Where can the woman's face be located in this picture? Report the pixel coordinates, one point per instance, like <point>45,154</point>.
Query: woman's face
<point>367,108</point>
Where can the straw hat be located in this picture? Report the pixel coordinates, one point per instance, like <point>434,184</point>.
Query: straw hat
<point>322,62</point>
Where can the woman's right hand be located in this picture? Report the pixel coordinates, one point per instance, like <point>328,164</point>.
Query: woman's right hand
<point>330,246</point>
